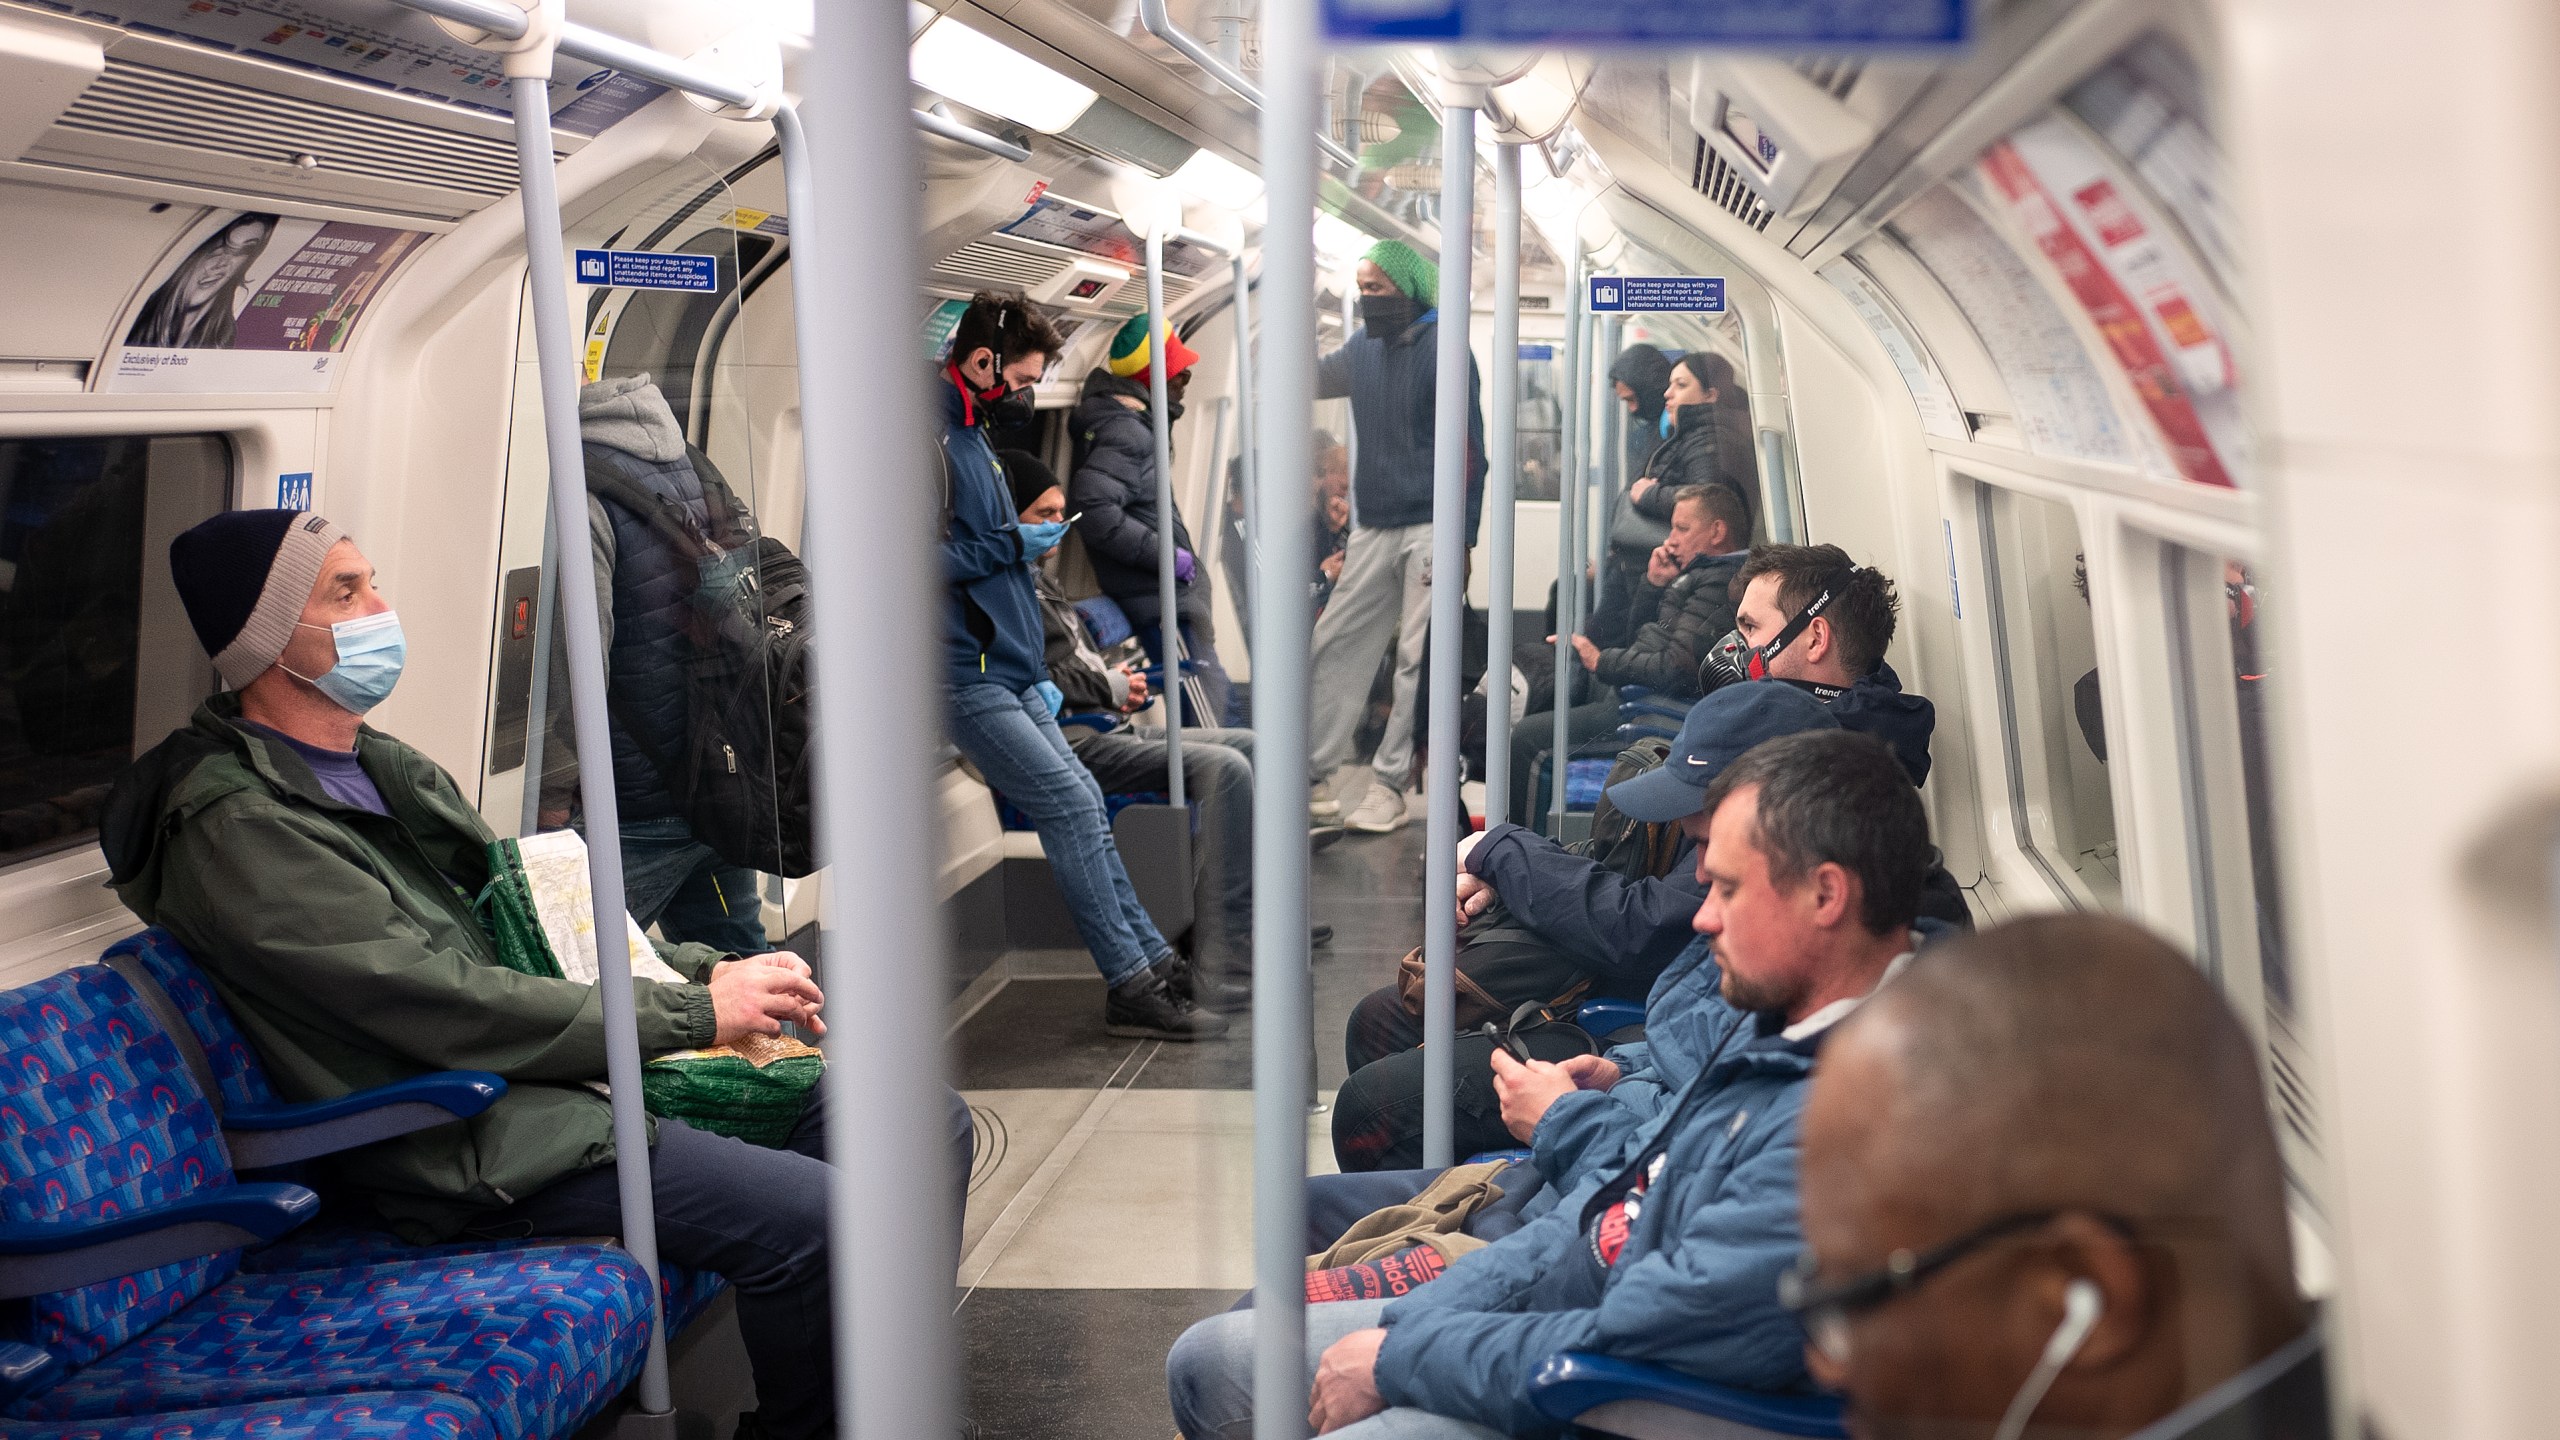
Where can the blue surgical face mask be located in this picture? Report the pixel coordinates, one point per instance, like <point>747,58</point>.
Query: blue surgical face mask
<point>371,651</point>
<point>1662,423</point>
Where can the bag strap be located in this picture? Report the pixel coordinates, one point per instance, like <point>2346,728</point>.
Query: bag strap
<point>165,1011</point>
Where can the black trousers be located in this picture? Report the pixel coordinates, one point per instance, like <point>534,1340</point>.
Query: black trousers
<point>1377,1115</point>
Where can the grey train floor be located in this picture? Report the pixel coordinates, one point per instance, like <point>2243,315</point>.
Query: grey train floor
<point>1111,1204</point>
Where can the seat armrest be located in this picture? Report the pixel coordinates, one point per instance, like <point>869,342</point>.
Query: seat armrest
<point>1607,1017</point>
<point>26,1369</point>
<point>1570,1384</point>
<point>38,1257</point>
<point>263,1136</point>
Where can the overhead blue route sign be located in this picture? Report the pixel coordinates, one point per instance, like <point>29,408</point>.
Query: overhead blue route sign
<point>1792,25</point>
<point>1613,294</point>
<point>648,270</point>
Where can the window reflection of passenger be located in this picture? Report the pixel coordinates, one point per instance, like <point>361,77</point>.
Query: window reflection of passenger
<point>2086,699</point>
<point>195,308</point>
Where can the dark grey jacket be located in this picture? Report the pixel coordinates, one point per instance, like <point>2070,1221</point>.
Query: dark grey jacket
<point>1690,615</point>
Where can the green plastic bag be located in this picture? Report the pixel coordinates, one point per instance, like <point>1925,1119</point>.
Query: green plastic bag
<point>753,1091</point>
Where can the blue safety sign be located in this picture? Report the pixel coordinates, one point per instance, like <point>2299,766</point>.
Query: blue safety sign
<point>293,490</point>
<point>1792,25</point>
<point>1537,352</point>
<point>648,270</point>
<point>1612,294</point>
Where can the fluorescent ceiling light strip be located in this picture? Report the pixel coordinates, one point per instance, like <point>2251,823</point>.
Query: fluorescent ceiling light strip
<point>958,63</point>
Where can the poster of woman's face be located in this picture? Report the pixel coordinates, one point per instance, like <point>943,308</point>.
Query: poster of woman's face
<point>198,306</point>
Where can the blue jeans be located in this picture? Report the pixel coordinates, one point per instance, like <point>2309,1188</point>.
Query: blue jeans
<point>1014,742</point>
<point>755,1217</point>
<point>1209,1378</point>
<point>1217,776</point>
<point>677,883</point>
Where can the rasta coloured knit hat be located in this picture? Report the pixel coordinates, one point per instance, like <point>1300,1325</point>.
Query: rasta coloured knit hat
<point>1027,476</point>
<point>1130,350</point>
<point>1413,275</point>
<point>244,577</point>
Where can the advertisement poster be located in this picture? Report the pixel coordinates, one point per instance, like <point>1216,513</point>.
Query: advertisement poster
<point>2105,268</point>
<point>376,43</point>
<point>250,302</point>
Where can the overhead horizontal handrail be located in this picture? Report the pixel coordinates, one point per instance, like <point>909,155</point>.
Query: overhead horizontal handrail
<point>970,135</point>
<point>1159,23</point>
<point>582,42</point>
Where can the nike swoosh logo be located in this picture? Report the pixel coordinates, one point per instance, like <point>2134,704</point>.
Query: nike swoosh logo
<point>1694,760</point>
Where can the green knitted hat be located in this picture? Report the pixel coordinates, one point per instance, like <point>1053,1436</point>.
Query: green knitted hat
<point>1412,274</point>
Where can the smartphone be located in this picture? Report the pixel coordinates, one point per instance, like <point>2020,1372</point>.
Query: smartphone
<point>1070,520</point>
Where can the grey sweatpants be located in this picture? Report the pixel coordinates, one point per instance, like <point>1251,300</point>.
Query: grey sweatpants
<point>1384,593</point>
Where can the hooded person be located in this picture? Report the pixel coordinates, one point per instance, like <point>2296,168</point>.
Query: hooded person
<point>322,874</point>
<point>640,472</point>
<point>1111,491</point>
<point>1390,372</point>
<point>1639,374</point>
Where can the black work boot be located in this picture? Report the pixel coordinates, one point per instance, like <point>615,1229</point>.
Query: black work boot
<point>1211,988</point>
<point>1145,1006</point>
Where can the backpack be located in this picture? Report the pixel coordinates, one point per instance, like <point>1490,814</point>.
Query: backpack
<point>742,777</point>
<point>1503,964</point>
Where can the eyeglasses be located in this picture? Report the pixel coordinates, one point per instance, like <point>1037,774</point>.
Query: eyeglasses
<point>1825,1309</point>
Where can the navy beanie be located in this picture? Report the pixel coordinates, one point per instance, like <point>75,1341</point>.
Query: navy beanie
<point>244,576</point>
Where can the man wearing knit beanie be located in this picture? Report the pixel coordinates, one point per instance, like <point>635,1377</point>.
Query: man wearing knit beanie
<point>1112,488</point>
<point>323,873</point>
<point>1390,372</point>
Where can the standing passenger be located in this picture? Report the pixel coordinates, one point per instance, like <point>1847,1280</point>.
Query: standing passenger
<point>1113,494</point>
<point>1390,370</point>
<point>1003,707</point>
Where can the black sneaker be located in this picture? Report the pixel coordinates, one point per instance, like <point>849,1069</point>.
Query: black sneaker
<point>1144,1006</point>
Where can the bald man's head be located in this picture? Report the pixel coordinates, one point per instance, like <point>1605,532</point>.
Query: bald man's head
<point>2066,1066</point>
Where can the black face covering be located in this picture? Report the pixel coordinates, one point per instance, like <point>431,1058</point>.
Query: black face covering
<point>1013,408</point>
<point>1386,315</point>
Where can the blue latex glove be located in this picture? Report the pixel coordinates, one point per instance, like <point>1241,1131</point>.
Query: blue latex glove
<point>1039,540</point>
<point>1053,697</point>
<point>1184,567</point>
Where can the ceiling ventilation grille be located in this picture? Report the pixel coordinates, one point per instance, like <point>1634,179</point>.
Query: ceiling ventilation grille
<point>140,119</point>
<point>1721,183</point>
<point>1836,76</point>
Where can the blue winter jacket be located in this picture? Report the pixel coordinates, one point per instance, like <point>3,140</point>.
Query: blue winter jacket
<point>1696,1285</point>
<point>1878,705</point>
<point>1684,1020</point>
<point>1623,931</point>
<point>1392,383</point>
<point>647,606</point>
<point>991,624</point>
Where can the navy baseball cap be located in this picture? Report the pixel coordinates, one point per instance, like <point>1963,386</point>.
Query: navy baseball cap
<point>1719,729</point>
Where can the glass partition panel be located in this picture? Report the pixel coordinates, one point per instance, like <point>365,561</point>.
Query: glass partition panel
<point>2051,694</point>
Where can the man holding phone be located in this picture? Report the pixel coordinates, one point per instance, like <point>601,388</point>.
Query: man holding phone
<point>1127,759</point>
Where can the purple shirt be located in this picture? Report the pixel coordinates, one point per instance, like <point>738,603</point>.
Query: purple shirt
<point>338,771</point>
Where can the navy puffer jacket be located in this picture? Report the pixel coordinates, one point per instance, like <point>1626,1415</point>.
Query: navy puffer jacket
<point>1113,485</point>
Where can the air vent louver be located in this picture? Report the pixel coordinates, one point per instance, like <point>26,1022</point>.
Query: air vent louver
<point>1719,182</point>
<point>143,120</point>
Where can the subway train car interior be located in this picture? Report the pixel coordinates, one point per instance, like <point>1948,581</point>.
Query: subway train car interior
<point>1411,719</point>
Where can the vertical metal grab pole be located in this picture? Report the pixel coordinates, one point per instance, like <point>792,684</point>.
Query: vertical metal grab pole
<point>1502,459</point>
<point>872,511</point>
<point>1157,408</point>
<point>1281,626</point>
<point>1569,508</point>
<point>1449,464</point>
<point>1246,456</point>
<point>555,347</point>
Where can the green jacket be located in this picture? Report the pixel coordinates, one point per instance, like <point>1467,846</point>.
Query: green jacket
<point>345,944</point>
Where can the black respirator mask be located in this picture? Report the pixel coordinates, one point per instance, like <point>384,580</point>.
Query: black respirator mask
<point>1007,407</point>
<point>1732,659</point>
<point>1390,314</point>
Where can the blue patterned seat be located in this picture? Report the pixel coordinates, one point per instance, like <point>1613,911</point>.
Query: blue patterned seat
<point>371,1416</point>
<point>538,1338</point>
<point>100,1117</point>
<point>242,1078</point>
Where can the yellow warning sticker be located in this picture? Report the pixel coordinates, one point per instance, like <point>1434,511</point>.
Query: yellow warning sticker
<point>742,218</point>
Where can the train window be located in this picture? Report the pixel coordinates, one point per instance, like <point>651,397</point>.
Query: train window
<point>1538,420</point>
<point>2046,658</point>
<point>96,660</point>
